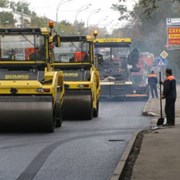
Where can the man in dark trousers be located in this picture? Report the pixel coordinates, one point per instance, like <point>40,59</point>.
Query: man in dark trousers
<point>169,93</point>
<point>152,82</point>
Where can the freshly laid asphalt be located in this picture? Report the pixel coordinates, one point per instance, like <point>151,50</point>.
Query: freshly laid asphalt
<point>159,156</point>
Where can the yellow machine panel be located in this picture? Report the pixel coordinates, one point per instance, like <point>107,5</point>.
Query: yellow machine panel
<point>117,40</point>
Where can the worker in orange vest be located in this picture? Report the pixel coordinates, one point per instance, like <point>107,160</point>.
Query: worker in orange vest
<point>169,94</point>
<point>152,82</point>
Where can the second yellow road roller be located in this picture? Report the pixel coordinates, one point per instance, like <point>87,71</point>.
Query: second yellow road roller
<point>76,59</point>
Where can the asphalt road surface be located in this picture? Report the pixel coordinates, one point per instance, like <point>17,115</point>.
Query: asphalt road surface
<point>79,150</point>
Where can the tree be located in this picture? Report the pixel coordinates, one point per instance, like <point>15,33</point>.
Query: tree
<point>6,19</point>
<point>80,28</point>
<point>12,5</point>
<point>38,21</point>
<point>23,5</point>
<point>4,3</point>
<point>66,28</point>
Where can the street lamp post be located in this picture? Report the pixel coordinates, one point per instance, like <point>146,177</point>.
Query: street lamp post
<point>92,13</point>
<point>82,8</point>
<point>57,9</point>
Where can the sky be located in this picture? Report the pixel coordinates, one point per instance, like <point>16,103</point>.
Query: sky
<point>91,12</point>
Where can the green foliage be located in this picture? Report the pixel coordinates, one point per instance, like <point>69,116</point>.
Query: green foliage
<point>12,5</point>
<point>23,5</point>
<point>4,3</point>
<point>148,6</point>
<point>39,21</point>
<point>6,19</point>
<point>122,9</point>
<point>65,28</point>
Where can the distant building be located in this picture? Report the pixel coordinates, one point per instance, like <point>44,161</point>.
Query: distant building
<point>17,16</point>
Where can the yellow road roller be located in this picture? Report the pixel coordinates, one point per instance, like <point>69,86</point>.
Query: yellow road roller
<point>76,59</point>
<point>31,93</point>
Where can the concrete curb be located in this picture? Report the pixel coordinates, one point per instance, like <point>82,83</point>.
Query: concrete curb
<point>122,162</point>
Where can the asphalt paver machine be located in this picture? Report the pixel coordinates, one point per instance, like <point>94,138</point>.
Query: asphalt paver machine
<point>116,72</point>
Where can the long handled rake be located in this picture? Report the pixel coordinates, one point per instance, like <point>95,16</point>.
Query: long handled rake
<point>160,121</point>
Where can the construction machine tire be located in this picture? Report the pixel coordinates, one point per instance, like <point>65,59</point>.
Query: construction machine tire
<point>58,109</point>
<point>96,110</point>
<point>90,113</point>
<point>24,113</point>
<point>50,128</point>
<point>59,118</point>
<point>77,105</point>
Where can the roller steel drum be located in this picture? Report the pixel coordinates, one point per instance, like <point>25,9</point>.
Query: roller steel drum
<point>26,113</point>
<point>77,105</point>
